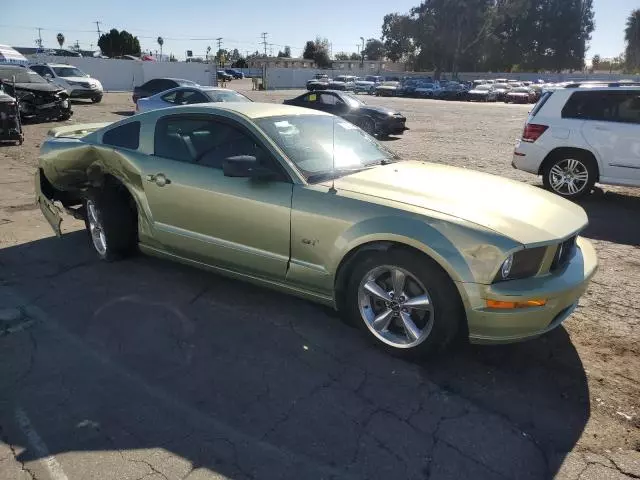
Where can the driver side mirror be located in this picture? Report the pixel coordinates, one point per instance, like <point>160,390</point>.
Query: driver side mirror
<point>246,166</point>
<point>48,76</point>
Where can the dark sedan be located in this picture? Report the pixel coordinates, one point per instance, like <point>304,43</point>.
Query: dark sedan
<point>373,120</point>
<point>157,85</point>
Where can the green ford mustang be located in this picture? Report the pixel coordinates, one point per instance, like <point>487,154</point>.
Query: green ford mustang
<point>413,253</point>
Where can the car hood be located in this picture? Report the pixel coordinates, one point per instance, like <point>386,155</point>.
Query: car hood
<point>379,110</point>
<point>364,83</point>
<point>526,214</point>
<point>39,87</point>
<point>80,79</point>
<point>480,92</point>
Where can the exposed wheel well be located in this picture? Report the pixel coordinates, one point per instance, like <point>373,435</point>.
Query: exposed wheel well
<point>351,258</point>
<point>567,151</point>
<point>112,183</point>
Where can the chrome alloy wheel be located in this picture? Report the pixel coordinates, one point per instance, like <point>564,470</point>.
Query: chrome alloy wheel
<point>96,229</point>
<point>395,306</point>
<point>569,176</point>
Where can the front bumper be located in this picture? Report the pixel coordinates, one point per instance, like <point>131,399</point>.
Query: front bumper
<point>561,290</point>
<point>85,93</point>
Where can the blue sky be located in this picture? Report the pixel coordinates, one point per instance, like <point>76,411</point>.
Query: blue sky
<point>240,23</point>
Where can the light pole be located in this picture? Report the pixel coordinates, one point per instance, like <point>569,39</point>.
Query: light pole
<point>362,53</point>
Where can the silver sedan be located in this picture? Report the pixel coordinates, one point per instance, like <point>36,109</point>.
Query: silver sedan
<point>188,95</point>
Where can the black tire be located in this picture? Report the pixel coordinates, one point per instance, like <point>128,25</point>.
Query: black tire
<point>587,163</point>
<point>96,98</point>
<point>119,221</point>
<point>448,312</point>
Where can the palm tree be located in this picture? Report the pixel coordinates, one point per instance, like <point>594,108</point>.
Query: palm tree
<point>160,42</point>
<point>60,38</point>
<point>632,37</point>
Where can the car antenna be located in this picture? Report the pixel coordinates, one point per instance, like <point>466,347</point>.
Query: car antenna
<point>333,158</point>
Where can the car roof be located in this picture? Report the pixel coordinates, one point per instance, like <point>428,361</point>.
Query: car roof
<point>56,64</point>
<point>255,110</point>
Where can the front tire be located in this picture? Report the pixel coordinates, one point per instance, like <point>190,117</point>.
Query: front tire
<point>96,98</point>
<point>111,222</point>
<point>570,175</point>
<point>405,302</point>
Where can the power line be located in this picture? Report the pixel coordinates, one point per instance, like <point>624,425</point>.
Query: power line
<point>264,42</point>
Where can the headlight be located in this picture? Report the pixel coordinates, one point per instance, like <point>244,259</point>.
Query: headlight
<point>505,270</point>
<point>522,264</point>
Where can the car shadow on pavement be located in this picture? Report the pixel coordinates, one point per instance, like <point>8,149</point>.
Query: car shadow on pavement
<point>148,367</point>
<point>612,217</point>
<point>124,113</point>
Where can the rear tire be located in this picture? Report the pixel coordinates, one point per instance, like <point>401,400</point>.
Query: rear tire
<point>570,175</point>
<point>427,326</point>
<point>112,223</point>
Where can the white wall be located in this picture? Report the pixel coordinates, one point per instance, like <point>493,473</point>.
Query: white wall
<point>282,78</point>
<point>123,75</point>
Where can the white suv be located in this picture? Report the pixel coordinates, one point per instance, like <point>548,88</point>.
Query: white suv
<point>583,134</point>
<point>72,79</point>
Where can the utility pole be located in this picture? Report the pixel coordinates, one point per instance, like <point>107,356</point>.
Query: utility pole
<point>98,28</point>
<point>264,42</point>
<point>39,40</point>
<point>218,53</point>
<point>362,52</point>
<point>271,49</point>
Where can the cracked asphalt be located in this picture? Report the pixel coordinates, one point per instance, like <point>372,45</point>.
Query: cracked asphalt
<point>145,369</point>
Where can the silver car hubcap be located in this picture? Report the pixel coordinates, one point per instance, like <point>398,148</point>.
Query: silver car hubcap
<point>96,229</point>
<point>395,306</point>
<point>569,176</point>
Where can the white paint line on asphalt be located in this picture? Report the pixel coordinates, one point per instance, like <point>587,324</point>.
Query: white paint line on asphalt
<point>54,468</point>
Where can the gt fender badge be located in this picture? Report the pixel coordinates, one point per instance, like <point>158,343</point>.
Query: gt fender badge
<point>307,241</point>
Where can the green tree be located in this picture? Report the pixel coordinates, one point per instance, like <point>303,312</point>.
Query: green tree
<point>397,34</point>
<point>632,38</point>
<point>240,63</point>
<point>374,49</point>
<point>318,51</point>
<point>286,53</point>
<point>117,44</point>
<point>595,62</point>
<point>342,56</point>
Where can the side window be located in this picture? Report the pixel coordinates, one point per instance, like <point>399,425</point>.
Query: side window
<point>328,99</point>
<point>39,69</point>
<point>171,97</point>
<point>190,97</point>
<point>124,136</point>
<point>207,142</point>
<point>629,108</point>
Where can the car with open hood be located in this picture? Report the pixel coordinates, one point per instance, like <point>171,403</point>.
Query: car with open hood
<point>39,99</point>
<point>415,254</point>
<point>374,120</point>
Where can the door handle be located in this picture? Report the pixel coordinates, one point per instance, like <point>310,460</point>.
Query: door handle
<point>159,179</point>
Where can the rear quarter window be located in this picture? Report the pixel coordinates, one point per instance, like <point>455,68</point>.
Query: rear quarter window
<point>124,136</point>
<point>543,99</point>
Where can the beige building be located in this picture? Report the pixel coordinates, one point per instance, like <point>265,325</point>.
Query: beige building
<point>373,66</point>
<point>259,62</point>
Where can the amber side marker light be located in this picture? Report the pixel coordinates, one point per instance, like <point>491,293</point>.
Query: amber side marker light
<point>497,304</point>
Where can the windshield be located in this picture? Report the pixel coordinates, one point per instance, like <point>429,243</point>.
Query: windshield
<point>323,146</point>
<point>226,96</point>
<point>484,87</point>
<point>23,75</point>
<point>352,101</point>
<point>390,84</point>
<point>521,90</point>
<point>69,72</point>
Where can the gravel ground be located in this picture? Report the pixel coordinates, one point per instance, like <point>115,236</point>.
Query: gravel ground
<point>601,378</point>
